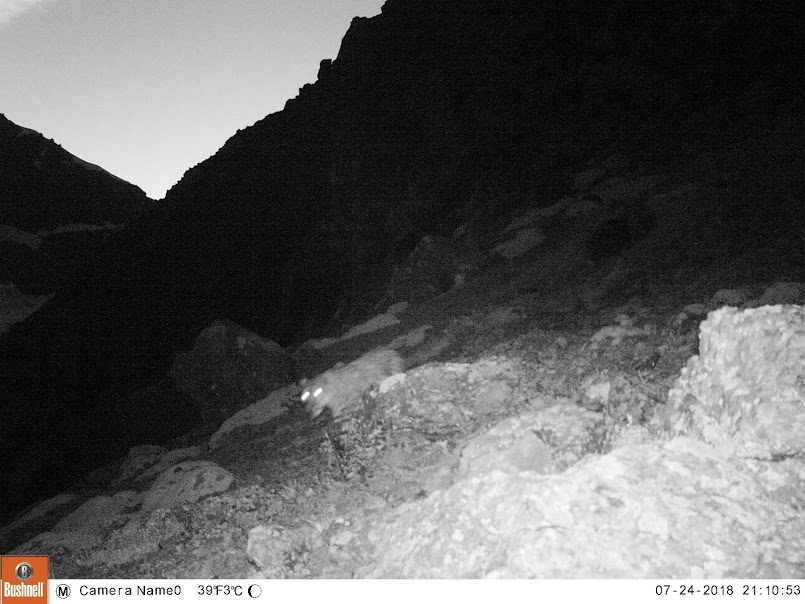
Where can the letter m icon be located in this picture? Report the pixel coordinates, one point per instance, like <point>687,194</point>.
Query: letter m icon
<point>62,591</point>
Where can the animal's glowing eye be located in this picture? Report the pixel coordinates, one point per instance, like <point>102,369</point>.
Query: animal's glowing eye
<point>305,394</point>
<point>317,392</point>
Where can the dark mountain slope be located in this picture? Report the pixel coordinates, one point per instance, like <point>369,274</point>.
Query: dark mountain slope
<point>433,115</point>
<point>56,210</point>
<point>44,186</point>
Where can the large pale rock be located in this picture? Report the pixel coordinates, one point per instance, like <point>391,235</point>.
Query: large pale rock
<point>745,391</point>
<point>679,510</point>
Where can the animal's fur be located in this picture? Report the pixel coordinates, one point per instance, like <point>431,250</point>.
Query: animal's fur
<point>341,388</point>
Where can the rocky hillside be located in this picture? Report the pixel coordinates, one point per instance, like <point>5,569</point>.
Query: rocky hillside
<point>435,121</point>
<point>638,423</point>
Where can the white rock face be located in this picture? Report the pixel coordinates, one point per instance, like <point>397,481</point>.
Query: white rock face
<point>745,391</point>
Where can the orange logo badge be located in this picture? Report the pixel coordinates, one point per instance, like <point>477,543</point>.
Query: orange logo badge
<point>23,579</point>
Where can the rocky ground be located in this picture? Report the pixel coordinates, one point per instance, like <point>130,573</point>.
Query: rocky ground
<point>622,396</point>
